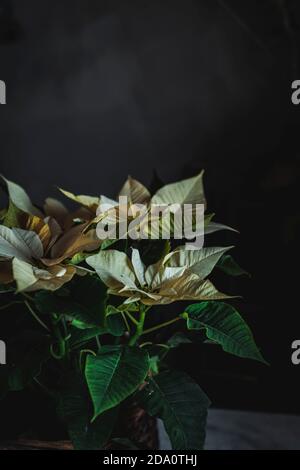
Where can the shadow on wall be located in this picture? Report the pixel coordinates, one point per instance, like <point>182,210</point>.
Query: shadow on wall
<point>97,90</point>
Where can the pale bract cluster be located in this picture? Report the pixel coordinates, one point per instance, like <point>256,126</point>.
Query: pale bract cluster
<point>180,275</point>
<point>44,247</point>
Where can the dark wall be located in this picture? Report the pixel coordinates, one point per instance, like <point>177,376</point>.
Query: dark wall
<point>99,89</point>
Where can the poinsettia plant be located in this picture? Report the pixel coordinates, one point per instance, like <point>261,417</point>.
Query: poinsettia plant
<point>94,347</point>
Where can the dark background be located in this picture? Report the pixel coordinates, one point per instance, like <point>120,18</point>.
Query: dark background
<point>99,89</point>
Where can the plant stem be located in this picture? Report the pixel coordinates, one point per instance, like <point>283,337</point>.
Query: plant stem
<point>147,343</point>
<point>66,338</point>
<point>125,321</point>
<point>98,342</point>
<point>44,388</point>
<point>29,297</point>
<point>62,347</point>
<point>35,315</point>
<point>139,327</point>
<point>131,317</point>
<point>11,303</point>
<point>161,325</point>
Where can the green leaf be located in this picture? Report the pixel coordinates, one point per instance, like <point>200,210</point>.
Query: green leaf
<point>181,404</point>
<point>177,339</point>
<point>76,410</point>
<point>2,213</point>
<point>83,299</point>
<point>12,216</point>
<point>115,321</point>
<point>116,325</point>
<point>154,364</point>
<point>78,258</point>
<point>229,266</point>
<point>81,325</point>
<point>80,337</point>
<point>107,243</point>
<point>114,374</point>
<point>225,326</point>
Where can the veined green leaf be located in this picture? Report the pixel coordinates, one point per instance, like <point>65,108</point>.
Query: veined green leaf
<point>181,404</point>
<point>224,325</point>
<point>114,374</point>
<point>85,301</point>
<point>229,266</point>
<point>79,337</point>
<point>115,321</point>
